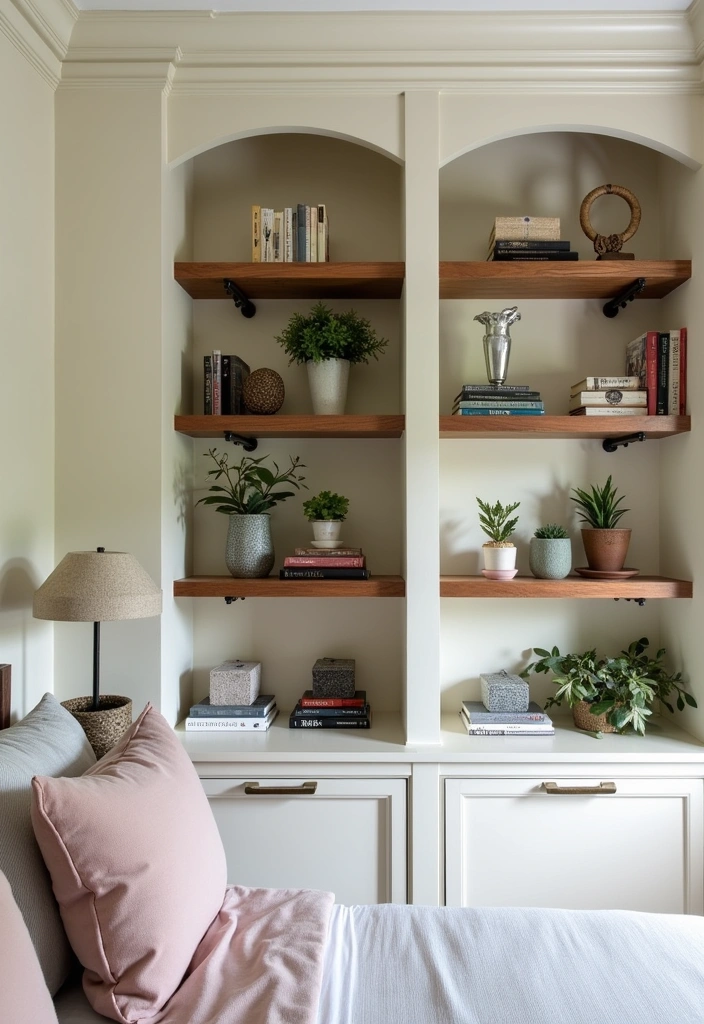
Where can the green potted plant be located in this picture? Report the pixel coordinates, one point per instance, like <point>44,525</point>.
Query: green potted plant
<point>499,551</point>
<point>605,543</point>
<point>550,552</point>
<point>246,494</point>
<point>328,343</point>
<point>327,512</point>
<point>611,694</point>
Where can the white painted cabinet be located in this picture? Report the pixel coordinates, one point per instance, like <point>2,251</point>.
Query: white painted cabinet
<point>347,836</point>
<point>508,842</point>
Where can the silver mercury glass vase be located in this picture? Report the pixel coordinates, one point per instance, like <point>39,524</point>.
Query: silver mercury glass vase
<point>497,342</point>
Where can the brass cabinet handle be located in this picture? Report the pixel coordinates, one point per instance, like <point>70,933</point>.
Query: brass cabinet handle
<point>603,787</point>
<point>254,789</point>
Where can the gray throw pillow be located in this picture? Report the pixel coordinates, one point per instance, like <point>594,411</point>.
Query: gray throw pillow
<point>49,741</point>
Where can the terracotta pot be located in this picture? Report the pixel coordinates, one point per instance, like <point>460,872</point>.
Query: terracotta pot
<point>606,550</point>
<point>584,719</point>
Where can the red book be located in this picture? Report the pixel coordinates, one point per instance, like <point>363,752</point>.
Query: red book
<point>651,370</point>
<point>683,371</point>
<point>358,701</point>
<point>351,562</point>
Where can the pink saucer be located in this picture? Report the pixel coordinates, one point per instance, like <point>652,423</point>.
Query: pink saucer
<point>499,574</point>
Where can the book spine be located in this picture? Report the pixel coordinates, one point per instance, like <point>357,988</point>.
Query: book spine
<point>324,574</point>
<point>507,389</point>
<point>288,235</point>
<point>207,385</point>
<point>663,366</point>
<point>651,370</point>
<point>499,412</point>
<point>278,236</point>
<point>314,234</point>
<point>501,731</point>
<point>307,234</point>
<point>673,375</point>
<point>308,712</point>
<point>343,562</point>
<point>225,387</point>
<point>606,383</point>
<point>227,711</point>
<point>301,233</point>
<point>267,227</point>
<point>239,371</point>
<point>321,234</point>
<point>502,403</point>
<point>239,724</point>
<point>328,723</point>
<point>217,382</point>
<point>330,704</point>
<point>612,397</point>
<point>683,371</point>
<point>608,410</point>
<point>531,243</point>
<point>256,234</point>
<point>531,254</point>
<point>333,552</point>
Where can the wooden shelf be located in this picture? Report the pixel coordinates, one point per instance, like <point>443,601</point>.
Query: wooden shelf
<point>272,586</point>
<point>561,426</point>
<point>571,586</point>
<point>293,280</point>
<point>291,426</point>
<point>588,279</point>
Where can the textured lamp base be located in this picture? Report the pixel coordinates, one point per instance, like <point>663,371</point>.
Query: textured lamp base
<point>105,726</point>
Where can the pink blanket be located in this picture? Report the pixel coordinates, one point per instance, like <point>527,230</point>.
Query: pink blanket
<point>260,962</point>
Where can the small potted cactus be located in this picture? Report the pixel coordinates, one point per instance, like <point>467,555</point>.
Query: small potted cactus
<point>499,551</point>
<point>550,552</point>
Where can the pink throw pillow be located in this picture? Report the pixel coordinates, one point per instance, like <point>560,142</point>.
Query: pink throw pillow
<point>23,992</point>
<point>137,866</point>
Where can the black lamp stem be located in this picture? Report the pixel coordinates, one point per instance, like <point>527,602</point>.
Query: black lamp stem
<point>96,666</point>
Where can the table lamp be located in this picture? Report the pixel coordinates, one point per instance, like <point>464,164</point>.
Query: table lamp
<point>98,586</point>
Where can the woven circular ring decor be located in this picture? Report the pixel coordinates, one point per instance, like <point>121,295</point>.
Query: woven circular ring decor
<point>609,243</point>
<point>105,726</point>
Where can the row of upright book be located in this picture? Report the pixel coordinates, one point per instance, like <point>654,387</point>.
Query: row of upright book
<point>529,238</point>
<point>223,384</point>
<point>343,563</point>
<point>495,400</point>
<point>658,359</point>
<point>296,234</point>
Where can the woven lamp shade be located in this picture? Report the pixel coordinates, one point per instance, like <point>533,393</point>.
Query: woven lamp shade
<point>97,586</point>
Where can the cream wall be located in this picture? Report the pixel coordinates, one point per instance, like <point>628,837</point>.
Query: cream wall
<point>26,359</point>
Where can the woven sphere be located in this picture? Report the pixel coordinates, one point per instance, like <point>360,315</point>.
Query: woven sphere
<point>263,391</point>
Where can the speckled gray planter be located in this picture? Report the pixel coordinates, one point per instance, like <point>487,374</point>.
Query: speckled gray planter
<point>550,558</point>
<point>249,553</point>
<point>328,386</point>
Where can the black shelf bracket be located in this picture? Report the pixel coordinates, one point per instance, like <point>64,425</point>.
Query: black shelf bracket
<point>640,601</point>
<point>628,294</point>
<point>245,306</point>
<point>248,443</point>
<point>229,600</point>
<point>610,444</point>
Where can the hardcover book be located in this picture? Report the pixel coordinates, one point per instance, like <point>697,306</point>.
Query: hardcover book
<point>499,403</point>
<point>663,373</point>
<point>267,231</point>
<point>504,256</point>
<point>605,384</point>
<point>256,234</point>
<point>217,382</point>
<point>608,410</point>
<point>490,389</point>
<point>308,700</point>
<point>674,375</point>
<point>324,574</point>
<point>642,362</point>
<point>328,552</point>
<point>329,562</point>
<point>507,728</point>
<point>478,715</point>
<point>514,244</point>
<point>259,708</point>
<point>491,411</point>
<point>207,385</point>
<point>296,722</point>
<point>301,711</point>
<point>611,397</point>
<point>233,724</point>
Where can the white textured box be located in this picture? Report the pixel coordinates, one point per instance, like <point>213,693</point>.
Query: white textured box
<point>235,682</point>
<point>502,691</point>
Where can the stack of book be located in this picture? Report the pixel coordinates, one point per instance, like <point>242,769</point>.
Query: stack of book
<point>528,238</point>
<point>331,712</point>
<point>480,722</point>
<point>495,400</point>
<point>223,380</point>
<point>608,396</point>
<point>293,235</point>
<point>659,360</point>
<point>325,564</point>
<point>254,717</point>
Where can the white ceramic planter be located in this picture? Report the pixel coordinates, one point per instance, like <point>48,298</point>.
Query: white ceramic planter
<point>328,386</point>
<point>499,557</point>
<point>326,529</point>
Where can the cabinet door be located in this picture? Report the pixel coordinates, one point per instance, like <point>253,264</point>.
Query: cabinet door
<point>508,842</point>
<point>349,836</point>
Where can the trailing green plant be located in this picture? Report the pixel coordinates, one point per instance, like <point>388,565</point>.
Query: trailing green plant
<point>622,688</point>
<point>495,520</point>
<point>250,487</point>
<point>599,508</point>
<point>326,506</point>
<point>323,334</point>
<point>551,531</point>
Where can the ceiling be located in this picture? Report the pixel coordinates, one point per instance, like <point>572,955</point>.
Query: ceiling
<point>296,6</point>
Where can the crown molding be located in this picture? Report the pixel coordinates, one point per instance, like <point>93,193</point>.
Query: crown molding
<point>121,74</point>
<point>52,20</point>
<point>695,15</point>
<point>22,35</point>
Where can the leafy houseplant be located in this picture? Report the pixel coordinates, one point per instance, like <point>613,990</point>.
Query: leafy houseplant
<point>550,552</point>
<point>605,543</point>
<point>499,551</point>
<point>328,343</point>
<point>326,511</point>
<point>611,694</point>
<point>248,491</point>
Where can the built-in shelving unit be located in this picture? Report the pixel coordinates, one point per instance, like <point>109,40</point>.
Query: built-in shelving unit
<point>293,280</point>
<point>584,427</point>
<point>272,586</point>
<point>291,426</point>
<point>587,279</point>
<point>637,588</point>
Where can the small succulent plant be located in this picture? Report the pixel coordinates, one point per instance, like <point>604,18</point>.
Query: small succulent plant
<point>495,522</point>
<point>551,531</point>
